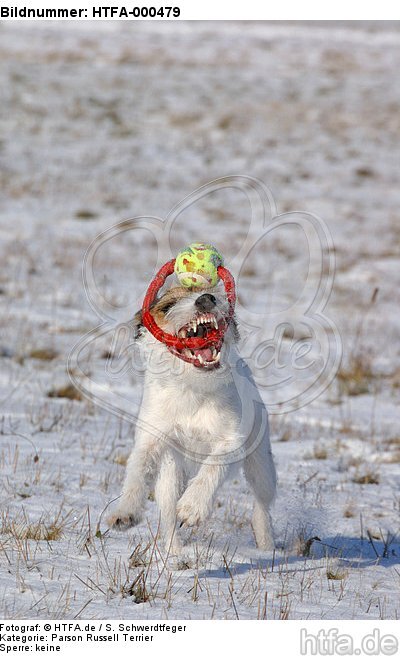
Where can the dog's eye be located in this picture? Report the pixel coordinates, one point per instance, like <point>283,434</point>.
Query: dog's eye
<point>167,307</point>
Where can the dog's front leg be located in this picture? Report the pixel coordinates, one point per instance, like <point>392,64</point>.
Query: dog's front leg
<point>141,468</point>
<point>167,491</point>
<point>195,504</point>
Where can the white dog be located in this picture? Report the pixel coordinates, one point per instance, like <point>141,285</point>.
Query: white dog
<point>200,418</point>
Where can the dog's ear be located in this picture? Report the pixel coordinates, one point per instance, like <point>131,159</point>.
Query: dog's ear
<point>235,329</point>
<point>138,328</point>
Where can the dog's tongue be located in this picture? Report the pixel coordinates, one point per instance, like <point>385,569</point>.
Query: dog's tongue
<point>205,353</point>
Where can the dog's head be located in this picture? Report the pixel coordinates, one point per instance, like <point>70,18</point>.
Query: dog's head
<point>188,314</point>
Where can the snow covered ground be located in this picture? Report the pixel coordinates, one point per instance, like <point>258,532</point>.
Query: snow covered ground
<point>102,122</point>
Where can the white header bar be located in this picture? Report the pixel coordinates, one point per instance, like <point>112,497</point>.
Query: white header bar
<point>195,10</point>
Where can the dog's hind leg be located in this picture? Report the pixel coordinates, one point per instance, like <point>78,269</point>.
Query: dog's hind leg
<point>259,470</point>
<point>167,491</point>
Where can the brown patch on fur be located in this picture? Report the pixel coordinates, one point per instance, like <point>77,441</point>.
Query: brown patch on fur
<point>161,305</point>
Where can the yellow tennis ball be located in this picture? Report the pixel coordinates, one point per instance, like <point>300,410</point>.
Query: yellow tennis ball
<point>196,266</point>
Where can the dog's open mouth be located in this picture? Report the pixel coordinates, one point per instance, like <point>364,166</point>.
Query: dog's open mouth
<point>200,326</point>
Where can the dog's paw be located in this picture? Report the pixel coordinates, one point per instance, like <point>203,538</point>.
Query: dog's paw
<point>181,562</point>
<point>190,510</point>
<point>266,543</point>
<point>122,521</point>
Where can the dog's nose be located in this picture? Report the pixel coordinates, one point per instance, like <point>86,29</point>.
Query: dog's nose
<point>205,302</point>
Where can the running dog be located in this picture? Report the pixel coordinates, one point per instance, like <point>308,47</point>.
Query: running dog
<point>201,418</point>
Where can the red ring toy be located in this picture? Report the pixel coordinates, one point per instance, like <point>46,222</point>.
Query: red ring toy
<point>173,342</point>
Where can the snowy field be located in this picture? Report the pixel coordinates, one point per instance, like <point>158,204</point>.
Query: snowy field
<point>104,122</point>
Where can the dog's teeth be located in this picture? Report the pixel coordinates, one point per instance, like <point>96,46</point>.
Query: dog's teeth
<point>194,326</point>
<point>217,357</point>
<point>200,359</point>
<point>215,323</point>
